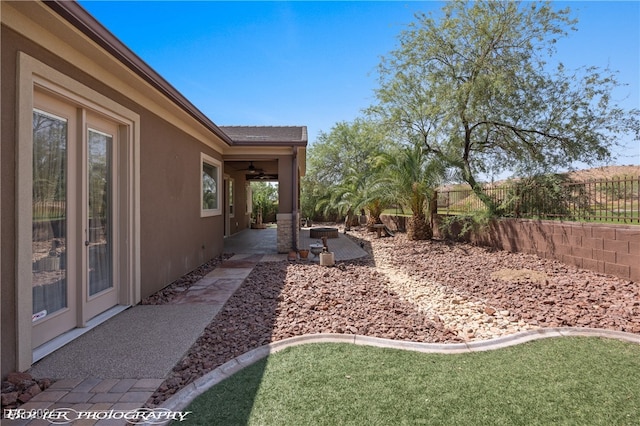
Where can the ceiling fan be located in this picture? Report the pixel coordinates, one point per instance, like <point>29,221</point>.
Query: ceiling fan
<point>262,176</point>
<point>252,170</point>
<point>255,173</point>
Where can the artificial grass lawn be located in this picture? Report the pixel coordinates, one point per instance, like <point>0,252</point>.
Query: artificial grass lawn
<point>550,381</point>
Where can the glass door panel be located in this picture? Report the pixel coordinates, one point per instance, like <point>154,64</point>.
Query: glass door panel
<point>74,218</point>
<point>100,228</point>
<point>49,215</point>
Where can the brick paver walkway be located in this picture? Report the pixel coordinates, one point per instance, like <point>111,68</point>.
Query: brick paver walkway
<point>91,395</point>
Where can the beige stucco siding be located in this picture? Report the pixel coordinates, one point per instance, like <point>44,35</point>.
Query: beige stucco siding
<point>162,141</point>
<point>7,192</point>
<point>174,238</point>
<point>172,233</point>
<point>285,195</point>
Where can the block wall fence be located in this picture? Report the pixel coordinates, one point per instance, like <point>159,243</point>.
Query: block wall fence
<point>604,248</point>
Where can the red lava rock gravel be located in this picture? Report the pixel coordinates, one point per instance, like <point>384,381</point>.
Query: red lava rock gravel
<point>566,296</point>
<point>281,299</point>
<point>20,388</point>
<point>425,291</point>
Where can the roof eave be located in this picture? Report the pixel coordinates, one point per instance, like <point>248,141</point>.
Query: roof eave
<point>269,143</point>
<point>77,16</point>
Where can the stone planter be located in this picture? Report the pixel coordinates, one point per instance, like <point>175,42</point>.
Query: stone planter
<point>316,249</point>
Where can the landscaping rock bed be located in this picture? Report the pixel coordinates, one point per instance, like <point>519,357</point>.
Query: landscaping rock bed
<point>282,299</point>
<point>20,388</point>
<point>426,291</point>
<point>528,290</point>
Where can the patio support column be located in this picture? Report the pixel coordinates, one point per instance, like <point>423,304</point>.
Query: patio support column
<point>285,232</point>
<point>295,195</point>
<point>288,215</point>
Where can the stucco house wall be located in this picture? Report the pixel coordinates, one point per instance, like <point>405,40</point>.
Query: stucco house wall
<point>163,233</point>
<point>174,239</point>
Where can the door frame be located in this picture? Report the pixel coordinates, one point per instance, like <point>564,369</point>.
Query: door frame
<point>34,75</point>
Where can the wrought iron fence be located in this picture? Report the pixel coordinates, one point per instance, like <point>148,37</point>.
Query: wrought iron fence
<point>604,200</point>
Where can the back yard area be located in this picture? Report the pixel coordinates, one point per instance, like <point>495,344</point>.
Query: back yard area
<point>424,291</point>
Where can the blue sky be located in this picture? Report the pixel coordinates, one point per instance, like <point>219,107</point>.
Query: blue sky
<point>314,63</point>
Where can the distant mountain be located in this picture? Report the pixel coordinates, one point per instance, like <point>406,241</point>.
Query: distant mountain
<point>606,172</point>
<point>596,173</point>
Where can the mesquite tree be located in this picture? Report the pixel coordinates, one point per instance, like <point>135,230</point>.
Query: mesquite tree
<point>475,88</point>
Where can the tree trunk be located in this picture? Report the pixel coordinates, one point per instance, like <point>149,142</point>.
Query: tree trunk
<point>419,228</point>
<point>372,221</point>
<point>348,220</point>
<point>375,210</point>
<point>477,189</point>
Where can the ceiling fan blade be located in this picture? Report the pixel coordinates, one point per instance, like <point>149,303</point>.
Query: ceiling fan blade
<point>263,176</point>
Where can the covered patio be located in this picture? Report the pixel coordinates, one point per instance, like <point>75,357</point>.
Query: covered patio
<point>263,241</point>
<point>264,154</point>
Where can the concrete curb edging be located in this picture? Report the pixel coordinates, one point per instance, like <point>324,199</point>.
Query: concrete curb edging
<point>185,396</point>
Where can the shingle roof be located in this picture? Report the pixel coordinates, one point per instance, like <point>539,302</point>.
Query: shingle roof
<point>267,135</point>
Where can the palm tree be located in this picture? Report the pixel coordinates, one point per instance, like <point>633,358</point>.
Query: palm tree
<point>410,177</point>
<point>341,172</point>
<point>357,191</point>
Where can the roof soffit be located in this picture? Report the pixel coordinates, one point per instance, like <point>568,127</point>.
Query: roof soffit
<point>267,135</point>
<point>257,153</point>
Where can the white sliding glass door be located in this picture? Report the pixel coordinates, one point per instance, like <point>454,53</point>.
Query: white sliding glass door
<point>74,218</point>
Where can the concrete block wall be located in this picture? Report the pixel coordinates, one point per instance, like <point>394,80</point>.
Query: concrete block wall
<point>605,248</point>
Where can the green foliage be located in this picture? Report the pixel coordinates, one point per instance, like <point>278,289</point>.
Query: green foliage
<point>264,196</point>
<point>312,193</point>
<point>341,170</point>
<point>544,195</point>
<point>460,227</point>
<point>474,88</point>
<point>568,381</point>
<point>471,89</point>
<point>410,177</point>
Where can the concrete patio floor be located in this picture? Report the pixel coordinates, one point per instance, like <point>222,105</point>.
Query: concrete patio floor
<point>263,241</point>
